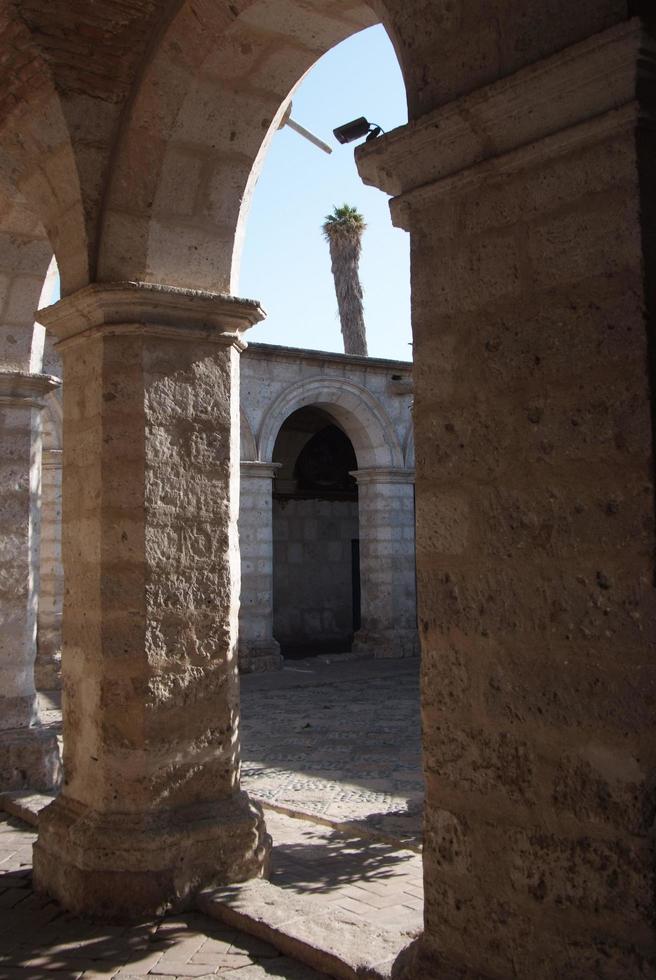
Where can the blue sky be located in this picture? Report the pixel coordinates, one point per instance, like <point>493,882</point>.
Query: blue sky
<point>286,263</point>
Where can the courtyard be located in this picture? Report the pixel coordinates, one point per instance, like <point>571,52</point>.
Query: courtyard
<point>331,749</point>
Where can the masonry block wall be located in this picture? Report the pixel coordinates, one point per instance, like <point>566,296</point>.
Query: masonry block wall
<point>312,573</point>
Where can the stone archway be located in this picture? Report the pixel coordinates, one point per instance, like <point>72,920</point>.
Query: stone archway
<point>530,237</point>
<point>353,407</point>
<point>214,71</point>
<point>386,522</point>
<point>28,753</point>
<point>316,573</point>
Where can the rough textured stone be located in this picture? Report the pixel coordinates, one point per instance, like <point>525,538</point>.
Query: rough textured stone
<point>534,517</point>
<point>151,793</point>
<point>526,179</point>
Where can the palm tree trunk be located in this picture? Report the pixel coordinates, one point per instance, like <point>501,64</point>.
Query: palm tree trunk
<point>344,255</point>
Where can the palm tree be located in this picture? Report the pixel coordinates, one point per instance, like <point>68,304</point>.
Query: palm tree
<point>343,231</point>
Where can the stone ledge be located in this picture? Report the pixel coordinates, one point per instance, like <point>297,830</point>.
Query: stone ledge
<point>21,389</point>
<point>25,805</point>
<point>169,311</point>
<point>360,828</point>
<point>582,82</point>
<point>307,929</point>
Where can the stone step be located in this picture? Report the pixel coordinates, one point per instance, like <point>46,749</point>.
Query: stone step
<point>408,841</point>
<point>307,929</point>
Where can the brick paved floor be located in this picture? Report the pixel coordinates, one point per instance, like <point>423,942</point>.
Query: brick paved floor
<point>380,883</point>
<point>334,740</point>
<point>38,940</point>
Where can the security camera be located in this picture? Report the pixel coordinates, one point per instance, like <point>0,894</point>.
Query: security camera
<point>355,130</point>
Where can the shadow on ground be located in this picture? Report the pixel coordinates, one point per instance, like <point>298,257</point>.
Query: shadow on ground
<point>38,938</point>
<point>338,741</point>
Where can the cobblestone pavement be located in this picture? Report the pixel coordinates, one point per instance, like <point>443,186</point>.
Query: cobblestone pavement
<point>333,738</point>
<point>339,740</point>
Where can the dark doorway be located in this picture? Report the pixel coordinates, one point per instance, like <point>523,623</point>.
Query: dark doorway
<point>316,583</point>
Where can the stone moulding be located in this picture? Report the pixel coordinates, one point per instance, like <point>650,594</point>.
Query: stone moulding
<point>22,389</point>
<point>384,474</point>
<point>259,470</point>
<point>164,310</point>
<point>515,112</point>
<point>127,865</point>
<point>377,434</point>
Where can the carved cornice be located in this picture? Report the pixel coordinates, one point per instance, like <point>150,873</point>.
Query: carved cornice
<point>566,97</point>
<point>259,470</point>
<point>384,474</point>
<point>166,311</point>
<point>19,389</point>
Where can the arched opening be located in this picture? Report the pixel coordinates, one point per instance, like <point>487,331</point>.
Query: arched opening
<point>192,239</point>
<point>316,569</point>
<point>317,742</point>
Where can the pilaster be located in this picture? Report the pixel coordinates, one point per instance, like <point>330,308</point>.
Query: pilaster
<point>47,667</point>
<point>387,563</point>
<point>29,756</point>
<point>258,650</point>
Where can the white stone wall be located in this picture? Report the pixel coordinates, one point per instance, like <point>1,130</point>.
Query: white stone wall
<point>370,399</point>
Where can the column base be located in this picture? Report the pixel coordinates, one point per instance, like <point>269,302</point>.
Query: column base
<point>386,644</point>
<point>416,962</point>
<point>123,867</point>
<point>259,657</point>
<point>29,759</point>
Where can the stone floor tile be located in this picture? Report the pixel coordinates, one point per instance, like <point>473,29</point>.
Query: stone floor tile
<point>141,964</point>
<point>178,968</point>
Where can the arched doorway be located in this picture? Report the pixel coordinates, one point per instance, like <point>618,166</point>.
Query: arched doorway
<point>316,572</point>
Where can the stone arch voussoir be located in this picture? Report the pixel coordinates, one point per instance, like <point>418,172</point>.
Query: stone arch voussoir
<point>353,407</point>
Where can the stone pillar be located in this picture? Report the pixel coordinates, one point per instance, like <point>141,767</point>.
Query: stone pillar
<point>151,808</point>
<point>386,515</point>
<point>531,206</point>
<point>47,669</point>
<point>29,756</point>
<point>258,650</point>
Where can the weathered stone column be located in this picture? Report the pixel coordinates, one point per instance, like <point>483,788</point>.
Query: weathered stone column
<point>258,650</point>
<point>29,756</point>
<point>532,207</point>
<point>151,807</point>
<point>386,515</point>
<point>47,668</point>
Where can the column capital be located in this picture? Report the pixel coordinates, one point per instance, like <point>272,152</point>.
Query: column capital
<point>571,98</point>
<point>141,307</point>
<point>258,469</point>
<point>384,474</point>
<point>20,389</point>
